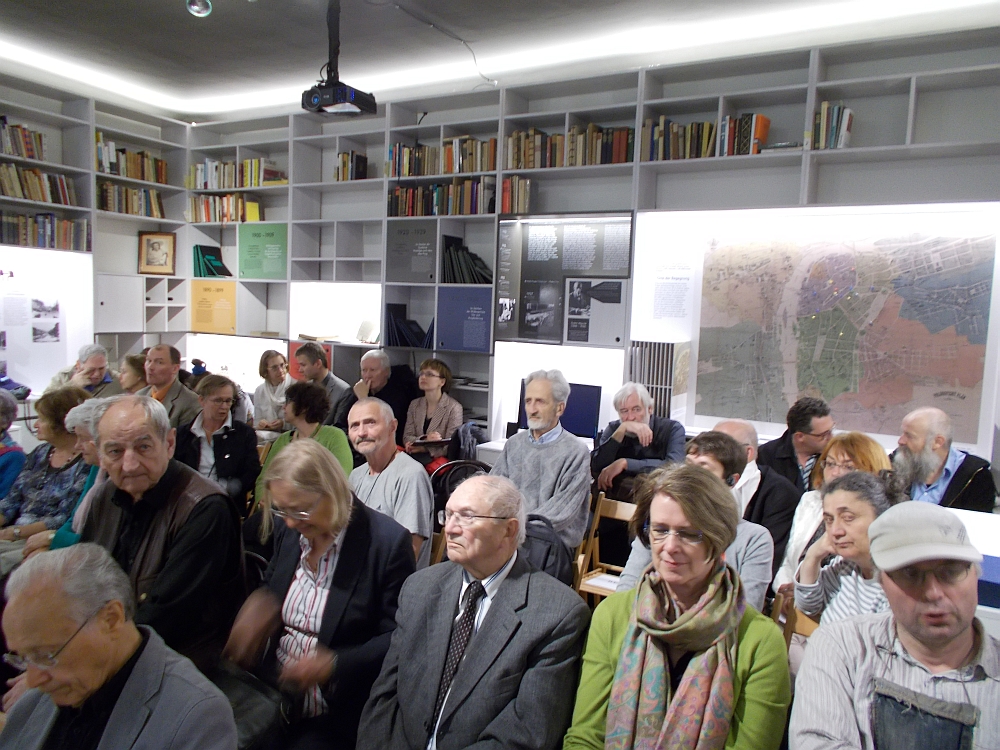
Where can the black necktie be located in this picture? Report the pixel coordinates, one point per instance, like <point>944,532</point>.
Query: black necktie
<point>461,631</point>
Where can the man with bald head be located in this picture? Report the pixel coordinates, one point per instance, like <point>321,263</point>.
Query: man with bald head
<point>765,497</point>
<point>937,472</point>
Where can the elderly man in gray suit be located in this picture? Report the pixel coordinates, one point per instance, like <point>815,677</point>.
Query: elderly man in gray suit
<point>95,678</point>
<point>486,648</point>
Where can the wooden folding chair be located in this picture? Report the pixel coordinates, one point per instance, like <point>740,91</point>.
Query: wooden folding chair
<point>601,579</point>
<point>581,558</point>
<point>796,622</point>
<point>438,543</point>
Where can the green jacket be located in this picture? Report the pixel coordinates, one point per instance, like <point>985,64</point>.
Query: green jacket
<point>761,688</point>
<point>331,438</point>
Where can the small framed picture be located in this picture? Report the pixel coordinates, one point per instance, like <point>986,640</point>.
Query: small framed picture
<point>157,253</point>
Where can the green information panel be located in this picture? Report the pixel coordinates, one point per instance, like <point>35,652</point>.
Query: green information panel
<point>263,251</point>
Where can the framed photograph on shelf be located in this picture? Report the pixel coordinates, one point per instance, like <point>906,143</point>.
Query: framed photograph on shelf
<point>157,253</point>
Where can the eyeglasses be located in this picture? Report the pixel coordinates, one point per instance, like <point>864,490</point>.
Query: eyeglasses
<point>431,374</point>
<point>822,435</point>
<point>221,401</point>
<point>463,518</point>
<point>831,464</point>
<point>947,574</point>
<point>659,534</point>
<point>296,515</point>
<point>276,368</point>
<point>45,661</point>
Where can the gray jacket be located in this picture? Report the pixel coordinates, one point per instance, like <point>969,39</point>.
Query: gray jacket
<point>181,403</point>
<point>166,704</point>
<point>515,686</point>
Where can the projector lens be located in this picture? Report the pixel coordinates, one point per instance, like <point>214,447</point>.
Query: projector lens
<point>199,8</point>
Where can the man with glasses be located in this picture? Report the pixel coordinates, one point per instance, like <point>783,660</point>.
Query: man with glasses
<point>97,679</point>
<point>174,532</point>
<point>935,471</point>
<point>90,372</point>
<point>794,454</point>
<point>486,648</point>
<point>924,675</point>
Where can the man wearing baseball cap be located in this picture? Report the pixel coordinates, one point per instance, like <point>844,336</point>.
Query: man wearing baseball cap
<point>924,675</point>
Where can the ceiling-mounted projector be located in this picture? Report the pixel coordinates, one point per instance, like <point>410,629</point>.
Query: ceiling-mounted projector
<point>338,98</point>
<point>330,95</point>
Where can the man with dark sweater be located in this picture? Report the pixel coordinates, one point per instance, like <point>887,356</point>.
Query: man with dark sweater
<point>547,463</point>
<point>794,454</point>
<point>935,471</point>
<point>637,443</point>
<point>397,386</point>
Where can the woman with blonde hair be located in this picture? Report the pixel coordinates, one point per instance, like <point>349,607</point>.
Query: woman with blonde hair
<point>320,624</point>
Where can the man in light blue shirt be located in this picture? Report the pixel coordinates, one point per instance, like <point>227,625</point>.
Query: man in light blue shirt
<point>937,472</point>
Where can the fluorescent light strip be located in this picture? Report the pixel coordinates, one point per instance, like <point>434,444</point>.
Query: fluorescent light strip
<point>664,38</point>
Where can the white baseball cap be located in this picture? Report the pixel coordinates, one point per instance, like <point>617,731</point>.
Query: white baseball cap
<point>914,531</point>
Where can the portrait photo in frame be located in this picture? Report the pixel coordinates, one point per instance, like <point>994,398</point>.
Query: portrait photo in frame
<point>157,253</point>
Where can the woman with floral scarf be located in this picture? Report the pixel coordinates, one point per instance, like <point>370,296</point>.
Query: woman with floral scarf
<point>682,661</point>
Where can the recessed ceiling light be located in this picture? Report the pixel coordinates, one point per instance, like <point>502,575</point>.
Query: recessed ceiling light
<point>199,8</point>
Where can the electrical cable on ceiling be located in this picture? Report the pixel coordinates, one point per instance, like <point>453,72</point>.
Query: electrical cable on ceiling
<point>447,32</point>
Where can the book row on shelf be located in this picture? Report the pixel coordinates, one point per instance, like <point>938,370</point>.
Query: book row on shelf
<point>225,175</point>
<point>227,208</point>
<point>743,135</point>
<point>35,185</point>
<point>18,140</point>
<point>832,126</point>
<point>461,266</point>
<point>136,165</point>
<point>461,197</point>
<point>515,197</point>
<point>455,156</point>
<point>535,149</point>
<point>351,166</point>
<point>403,331</point>
<point>127,200</point>
<point>44,230</point>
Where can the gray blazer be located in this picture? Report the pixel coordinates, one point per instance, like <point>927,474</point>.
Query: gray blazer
<point>516,684</point>
<point>181,403</point>
<point>166,704</point>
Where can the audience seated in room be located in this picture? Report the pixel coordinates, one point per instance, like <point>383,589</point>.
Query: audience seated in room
<point>306,405</point>
<point>683,657</point>
<point>132,375</point>
<point>794,454</point>
<point>269,398</point>
<point>11,454</point>
<point>396,385</point>
<point>922,676</point>
<point>217,446</point>
<point>846,452</point>
<point>752,550</point>
<point>433,416</point>
<point>327,608</point>
<point>509,681</point>
<point>935,471</point>
<point>45,492</point>
<point>549,465</point>
<point>637,442</point>
<point>90,372</point>
<point>163,363</point>
<point>311,359</point>
<point>97,679</point>
<point>390,481</point>
<point>175,533</point>
<point>846,585</point>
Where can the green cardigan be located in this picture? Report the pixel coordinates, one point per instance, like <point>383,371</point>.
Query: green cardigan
<point>331,438</point>
<point>761,688</point>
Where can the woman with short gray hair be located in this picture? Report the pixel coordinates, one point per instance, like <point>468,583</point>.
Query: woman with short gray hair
<point>11,454</point>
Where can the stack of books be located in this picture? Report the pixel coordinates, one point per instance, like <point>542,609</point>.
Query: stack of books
<point>235,207</point>
<point>515,195</point>
<point>460,198</point>
<point>351,166</point>
<point>225,175</point>
<point>832,126</point>
<point>461,266</point>
<point>17,140</point>
<point>136,165</point>
<point>44,230</point>
<point>35,185</point>
<point>402,331</point>
<point>133,201</point>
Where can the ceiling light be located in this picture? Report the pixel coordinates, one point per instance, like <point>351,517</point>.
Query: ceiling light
<point>199,8</point>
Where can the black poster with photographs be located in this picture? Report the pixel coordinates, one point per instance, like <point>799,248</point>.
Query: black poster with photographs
<point>540,294</point>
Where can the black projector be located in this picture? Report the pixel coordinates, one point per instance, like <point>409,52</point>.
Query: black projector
<point>338,98</point>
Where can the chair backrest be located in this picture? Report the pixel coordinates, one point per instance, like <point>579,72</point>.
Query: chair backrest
<point>797,622</point>
<point>590,561</point>
<point>448,476</point>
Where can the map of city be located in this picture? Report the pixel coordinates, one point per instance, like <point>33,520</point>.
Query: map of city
<point>876,327</point>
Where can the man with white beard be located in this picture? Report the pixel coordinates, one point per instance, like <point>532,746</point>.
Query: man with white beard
<point>937,472</point>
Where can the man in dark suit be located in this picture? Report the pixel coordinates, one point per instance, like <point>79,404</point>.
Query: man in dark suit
<point>486,648</point>
<point>794,454</point>
<point>765,497</point>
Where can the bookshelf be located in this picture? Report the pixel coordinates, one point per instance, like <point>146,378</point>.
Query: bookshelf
<point>924,130</point>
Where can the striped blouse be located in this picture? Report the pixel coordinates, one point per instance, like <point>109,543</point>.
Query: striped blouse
<point>840,591</point>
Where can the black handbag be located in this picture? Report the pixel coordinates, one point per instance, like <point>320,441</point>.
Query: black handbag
<point>257,707</point>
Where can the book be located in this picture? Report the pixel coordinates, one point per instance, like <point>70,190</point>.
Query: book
<point>208,262</point>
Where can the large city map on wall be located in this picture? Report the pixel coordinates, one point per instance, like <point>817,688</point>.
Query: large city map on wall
<point>877,317</point>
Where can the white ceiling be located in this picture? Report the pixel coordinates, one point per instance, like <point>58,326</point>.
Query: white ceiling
<point>176,62</point>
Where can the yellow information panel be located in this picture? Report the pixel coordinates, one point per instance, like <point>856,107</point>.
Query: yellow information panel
<point>213,306</point>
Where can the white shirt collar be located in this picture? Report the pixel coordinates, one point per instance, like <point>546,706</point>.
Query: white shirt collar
<point>198,427</point>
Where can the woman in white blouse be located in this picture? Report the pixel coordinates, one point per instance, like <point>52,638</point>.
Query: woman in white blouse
<point>269,398</point>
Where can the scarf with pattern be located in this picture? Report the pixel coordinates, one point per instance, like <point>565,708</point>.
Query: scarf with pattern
<point>642,713</point>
